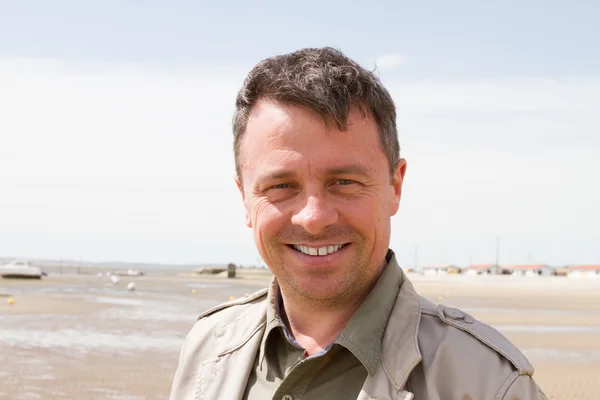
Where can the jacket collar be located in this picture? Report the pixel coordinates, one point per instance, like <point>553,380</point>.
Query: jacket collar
<point>401,353</point>
<point>400,349</point>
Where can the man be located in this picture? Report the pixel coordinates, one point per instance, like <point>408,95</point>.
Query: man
<point>318,168</point>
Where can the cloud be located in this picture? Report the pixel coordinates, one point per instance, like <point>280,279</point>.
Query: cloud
<point>130,162</point>
<point>390,61</point>
<point>499,95</point>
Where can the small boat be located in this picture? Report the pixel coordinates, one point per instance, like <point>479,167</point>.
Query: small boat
<point>129,272</point>
<point>21,270</point>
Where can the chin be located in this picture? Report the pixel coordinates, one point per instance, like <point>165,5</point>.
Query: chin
<point>319,288</point>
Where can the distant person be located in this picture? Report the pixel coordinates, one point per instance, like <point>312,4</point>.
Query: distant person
<point>319,171</point>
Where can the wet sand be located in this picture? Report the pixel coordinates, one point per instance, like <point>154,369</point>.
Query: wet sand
<point>81,337</point>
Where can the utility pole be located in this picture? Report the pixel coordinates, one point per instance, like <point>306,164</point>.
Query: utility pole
<point>416,258</point>
<point>497,251</point>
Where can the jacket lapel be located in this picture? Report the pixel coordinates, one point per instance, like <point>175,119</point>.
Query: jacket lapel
<point>400,352</point>
<point>236,345</point>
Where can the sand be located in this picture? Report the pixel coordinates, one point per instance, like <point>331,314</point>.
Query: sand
<point>81,337</point>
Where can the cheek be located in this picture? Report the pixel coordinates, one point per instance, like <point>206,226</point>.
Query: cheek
<point>267,219</point>
<point>368,213</point>
<point>360,214</point>
<point>367,206</point>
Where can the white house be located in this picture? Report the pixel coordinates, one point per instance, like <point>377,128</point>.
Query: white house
<point>584,271</point>
<point>439,269</point>
<point>531,270</point>
<point>479,269</point>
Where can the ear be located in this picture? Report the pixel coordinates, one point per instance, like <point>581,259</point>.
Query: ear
<point>241,189</point>
<point>397,181</point>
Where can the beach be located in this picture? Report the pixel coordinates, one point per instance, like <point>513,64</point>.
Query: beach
<point>78,335</point>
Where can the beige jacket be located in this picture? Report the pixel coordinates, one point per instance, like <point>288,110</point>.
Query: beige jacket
<point>429,352</point>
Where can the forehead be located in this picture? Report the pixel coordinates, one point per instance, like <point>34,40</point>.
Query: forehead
<point>292,136</point>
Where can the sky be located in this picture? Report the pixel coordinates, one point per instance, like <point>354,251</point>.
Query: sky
<point>116,143</point>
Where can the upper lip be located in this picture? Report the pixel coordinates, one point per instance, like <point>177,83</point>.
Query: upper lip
<point>318,245</point>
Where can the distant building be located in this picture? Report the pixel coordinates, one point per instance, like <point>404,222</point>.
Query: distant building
<point>486,269</point>
<point>480,269</point>
<point>440,269</point>
<point>563,271</point>
<point>583,271</point>
<point>531,270</point>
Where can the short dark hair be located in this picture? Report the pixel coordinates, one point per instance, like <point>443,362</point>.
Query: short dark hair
<point>325,81</point>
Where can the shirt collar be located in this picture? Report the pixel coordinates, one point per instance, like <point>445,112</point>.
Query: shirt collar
<point>364,333</point>
<point>273,318</point>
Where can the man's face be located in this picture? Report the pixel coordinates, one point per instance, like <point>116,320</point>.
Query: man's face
<point>319,200</point>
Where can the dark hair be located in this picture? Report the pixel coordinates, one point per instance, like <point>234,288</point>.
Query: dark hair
<point>323,80</point>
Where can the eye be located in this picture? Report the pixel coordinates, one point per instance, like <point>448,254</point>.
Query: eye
<point>280,192</point>
<point>344,182</point>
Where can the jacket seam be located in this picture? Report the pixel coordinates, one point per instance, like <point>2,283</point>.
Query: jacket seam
<point>429,312</point>
<point>237,302</point>
<point>200,380</point>
<point>243,342</point>
<point>506,385</point>
<point>245,315</point>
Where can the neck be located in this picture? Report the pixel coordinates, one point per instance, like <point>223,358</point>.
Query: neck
<point>315,324</point>
<point>313,328</point>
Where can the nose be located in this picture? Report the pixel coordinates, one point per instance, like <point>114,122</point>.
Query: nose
<point>315,215</point>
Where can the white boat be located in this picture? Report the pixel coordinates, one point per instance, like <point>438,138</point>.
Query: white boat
<point>21,270</point>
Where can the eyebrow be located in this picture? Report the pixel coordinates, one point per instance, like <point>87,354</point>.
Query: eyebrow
<point>349,169</point>
<point>276,175</point>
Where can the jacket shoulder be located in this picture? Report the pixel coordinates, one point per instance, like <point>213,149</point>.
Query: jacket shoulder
<point>216,332</point>
<point>484,333</point>
<point>259,295</point>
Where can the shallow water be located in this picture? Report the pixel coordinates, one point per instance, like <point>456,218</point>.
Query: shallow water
<point>562,354</point>
<point>86,341</point>
<point>548,328</point>
<point>207,285</point>
<point>518,311</point>
<point>137,321</point>
<point>113,395</point>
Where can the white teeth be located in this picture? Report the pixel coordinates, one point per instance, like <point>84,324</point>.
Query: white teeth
<point>321,251</point>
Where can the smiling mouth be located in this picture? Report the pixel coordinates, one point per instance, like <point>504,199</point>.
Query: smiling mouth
<point>318,251</point>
